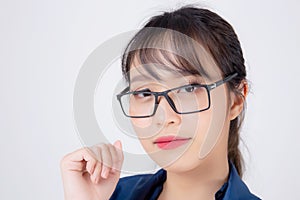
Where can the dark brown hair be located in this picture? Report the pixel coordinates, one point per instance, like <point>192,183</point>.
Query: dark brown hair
<point>216,36</point>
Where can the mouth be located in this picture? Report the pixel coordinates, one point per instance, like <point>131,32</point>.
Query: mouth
<point>170,142</point>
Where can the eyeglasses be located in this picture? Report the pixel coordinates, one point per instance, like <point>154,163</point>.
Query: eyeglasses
<point>187,99</point>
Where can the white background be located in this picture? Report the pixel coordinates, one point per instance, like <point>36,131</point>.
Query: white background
<point>44,43</point>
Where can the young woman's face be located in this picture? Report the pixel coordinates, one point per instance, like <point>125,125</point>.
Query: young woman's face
<point>175,141</point>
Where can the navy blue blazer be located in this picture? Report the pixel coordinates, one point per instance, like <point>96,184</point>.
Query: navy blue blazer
<point>149,186</point>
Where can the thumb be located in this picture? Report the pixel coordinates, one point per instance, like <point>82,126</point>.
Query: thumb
<point>118,144</point>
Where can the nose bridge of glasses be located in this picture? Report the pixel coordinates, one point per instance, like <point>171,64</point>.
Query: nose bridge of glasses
<point>167,98</point>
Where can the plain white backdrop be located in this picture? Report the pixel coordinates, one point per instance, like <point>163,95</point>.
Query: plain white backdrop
<point>44,43</point>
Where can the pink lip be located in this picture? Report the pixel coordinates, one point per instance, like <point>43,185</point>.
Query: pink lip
<point>170,142</point>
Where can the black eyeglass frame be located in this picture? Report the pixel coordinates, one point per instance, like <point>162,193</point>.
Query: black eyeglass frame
<point>208,88</point>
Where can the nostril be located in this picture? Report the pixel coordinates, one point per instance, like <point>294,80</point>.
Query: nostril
<point>165,115</point>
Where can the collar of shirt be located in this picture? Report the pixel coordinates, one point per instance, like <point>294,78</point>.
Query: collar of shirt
<point>149,187</point>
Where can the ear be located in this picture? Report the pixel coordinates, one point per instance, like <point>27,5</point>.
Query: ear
<point>237,100</point>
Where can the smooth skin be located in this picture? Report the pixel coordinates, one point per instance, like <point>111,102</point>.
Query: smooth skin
<point>93,175</point>
<point>85,177</point>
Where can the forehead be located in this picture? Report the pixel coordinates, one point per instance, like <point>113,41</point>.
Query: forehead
<point>164,74</point>
<point>158,73</point>
<point>161,65</point>
<point>166,79</point>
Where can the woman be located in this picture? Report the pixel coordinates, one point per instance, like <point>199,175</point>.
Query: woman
<point>185,98</point>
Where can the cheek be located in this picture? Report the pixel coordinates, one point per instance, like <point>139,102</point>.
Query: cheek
<point>204,122</point>
<point>201,132</point>
<point>215,127</point>
<point>141,126</point>
<point>147,145</point>
<point>145,127</point>
<point>141,123</point>
<point>220,101</point>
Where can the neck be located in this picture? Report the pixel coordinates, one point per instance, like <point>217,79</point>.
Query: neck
<point>198,183</point>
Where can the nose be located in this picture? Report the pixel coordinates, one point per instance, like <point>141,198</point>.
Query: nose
<point>165,114</point>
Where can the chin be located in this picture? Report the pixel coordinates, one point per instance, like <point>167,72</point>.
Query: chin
<point>184,164</point>
<point>178,169</point>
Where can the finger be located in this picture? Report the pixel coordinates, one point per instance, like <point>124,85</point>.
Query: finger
<point>119,150</point>
<point>97,151</point>
<point>118,144</point>
<point>97,173</point>
<point>81,154</point>
<point>117,155</point>
<point>106,162</point>
<point>91,165</point>
<point>76,161</point>
<point>114,156</point>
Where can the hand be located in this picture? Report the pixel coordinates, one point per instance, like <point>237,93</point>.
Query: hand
<point>92,173</point>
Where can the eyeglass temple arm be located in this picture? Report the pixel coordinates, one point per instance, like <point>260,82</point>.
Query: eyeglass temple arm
<point>220,82</point>
<point>122,92</point>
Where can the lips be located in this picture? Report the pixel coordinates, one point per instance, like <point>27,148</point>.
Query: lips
<point>170,142</point>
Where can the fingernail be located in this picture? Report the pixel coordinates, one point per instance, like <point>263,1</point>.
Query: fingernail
<point>95,178</point>
<point>118,144</point>
<point>104,173</point>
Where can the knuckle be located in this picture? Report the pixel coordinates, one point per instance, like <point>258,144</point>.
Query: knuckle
<point>66,159</point>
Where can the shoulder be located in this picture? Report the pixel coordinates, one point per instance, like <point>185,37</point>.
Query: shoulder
<point>139,186</point>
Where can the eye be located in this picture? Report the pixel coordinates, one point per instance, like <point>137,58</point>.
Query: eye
<point>142,93</point>
<point>188,88</point>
